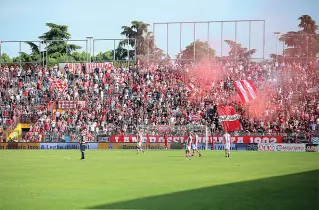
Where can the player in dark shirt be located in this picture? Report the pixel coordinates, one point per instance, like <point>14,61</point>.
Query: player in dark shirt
<point>82,146</point>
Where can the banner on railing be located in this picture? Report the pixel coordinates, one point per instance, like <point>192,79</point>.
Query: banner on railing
<point>102,138</point>
<point>282,147</point>
<point>90,66</point>
<point>65,104</point>
<point>71,104</point>
<point>202,139</point>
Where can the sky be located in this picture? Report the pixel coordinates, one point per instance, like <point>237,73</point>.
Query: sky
<point>22,20</point>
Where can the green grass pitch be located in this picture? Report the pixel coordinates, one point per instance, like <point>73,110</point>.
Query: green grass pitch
<point>120,179</point>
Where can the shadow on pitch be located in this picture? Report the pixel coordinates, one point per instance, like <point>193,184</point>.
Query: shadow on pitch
<point>295,191</point>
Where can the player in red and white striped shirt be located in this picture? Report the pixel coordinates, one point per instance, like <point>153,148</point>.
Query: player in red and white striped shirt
<point>195,144</point>
<point>188,145</point>
<point>139,142</point>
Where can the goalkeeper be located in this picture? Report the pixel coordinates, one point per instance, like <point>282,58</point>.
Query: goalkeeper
<point>82,145</point>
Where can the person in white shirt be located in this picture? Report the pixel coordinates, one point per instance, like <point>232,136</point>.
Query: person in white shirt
<point>188,144</point>
<point>227,143</point>
<point>57,115</point>
<point>139,142</point>
<point>194,145</point>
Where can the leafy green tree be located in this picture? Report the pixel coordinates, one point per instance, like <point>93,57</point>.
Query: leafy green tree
<point>23,57</point>
<point>35,55</point>
<point>106,56</point>
<point>139,31</point>
<point>81,57</point>
<point>202,50</point>
<point>302,43</point>
<point>307,24</point>
<point>5,58</point>
<point>60,33</point>
<point>56,49</point>
<point>239,52</point>
<point>144,43</point>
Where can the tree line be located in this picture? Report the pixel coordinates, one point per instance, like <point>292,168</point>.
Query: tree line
<point>300,44</point>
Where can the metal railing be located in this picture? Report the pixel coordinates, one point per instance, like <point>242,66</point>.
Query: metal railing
<point>88,46</point>
<point>73,135</point>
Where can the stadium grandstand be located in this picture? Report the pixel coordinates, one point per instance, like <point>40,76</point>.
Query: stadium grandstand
<point>51,101</point>
<point>105,100</point>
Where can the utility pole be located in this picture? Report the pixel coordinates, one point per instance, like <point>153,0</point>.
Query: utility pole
<point>277,33</point>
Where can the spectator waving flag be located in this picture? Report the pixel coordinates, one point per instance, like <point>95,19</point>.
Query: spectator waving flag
<point>246,90</point>
<point>193,117</point>
<point>229,118</point>
<point>190,87</point>
<point>58,84</point>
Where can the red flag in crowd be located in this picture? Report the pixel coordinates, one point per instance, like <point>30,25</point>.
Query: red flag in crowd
<point>246,90</point>
<point>58,84</point>
<point>229,118</point>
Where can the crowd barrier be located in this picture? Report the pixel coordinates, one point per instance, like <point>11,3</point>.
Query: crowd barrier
<point>262,147</point>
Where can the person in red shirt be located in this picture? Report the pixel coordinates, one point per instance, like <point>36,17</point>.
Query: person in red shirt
<point>166,141</point>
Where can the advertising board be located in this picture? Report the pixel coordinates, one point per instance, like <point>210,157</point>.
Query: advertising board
<point>66,146</point>
<point>290,147</point>
<point>282,147</point>
<point>222,147</point>
<point>19,146</point>
<point>252,147</point>
<point>202,146</point>
<point>151,146</point>
<point>311,147</point>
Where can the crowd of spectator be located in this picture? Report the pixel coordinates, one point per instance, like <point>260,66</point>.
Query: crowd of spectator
<point>118,100</point>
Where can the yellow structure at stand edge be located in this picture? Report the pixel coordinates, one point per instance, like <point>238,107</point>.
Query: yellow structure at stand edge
<point>18,130</point>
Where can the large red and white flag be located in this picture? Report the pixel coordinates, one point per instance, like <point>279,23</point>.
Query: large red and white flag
<point>190,87</point>
<point>229,118</point>
<point>246,90</point>
<point>58,84</point>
